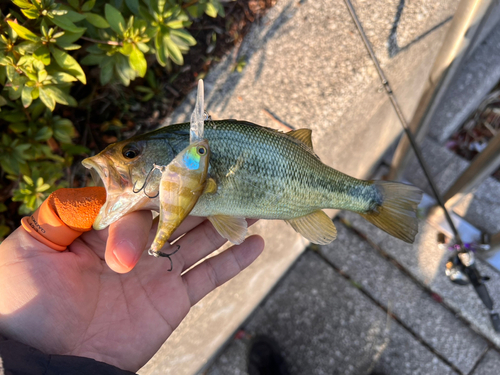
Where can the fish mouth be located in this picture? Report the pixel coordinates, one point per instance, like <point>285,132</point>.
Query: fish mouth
<point>120,197</point>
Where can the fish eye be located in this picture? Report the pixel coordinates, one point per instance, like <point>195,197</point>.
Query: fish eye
<point>201,150</point>
<point>130,153</point>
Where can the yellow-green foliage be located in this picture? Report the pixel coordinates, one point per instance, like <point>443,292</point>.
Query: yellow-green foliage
<point>37,70</point>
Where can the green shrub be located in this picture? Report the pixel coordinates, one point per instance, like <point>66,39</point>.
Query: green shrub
<point>41,58</point>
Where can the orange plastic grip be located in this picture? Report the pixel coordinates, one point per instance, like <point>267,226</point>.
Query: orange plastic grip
<point>64,216</point>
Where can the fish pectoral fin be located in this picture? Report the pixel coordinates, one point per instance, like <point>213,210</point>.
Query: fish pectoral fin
<point>303,135</point>
<point>232,228</point>
<point>210,186</point>
<point>316,227</point>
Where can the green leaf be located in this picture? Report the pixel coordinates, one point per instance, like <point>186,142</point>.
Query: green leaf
<point>65,24</point>
<point>63,130</point>
<point>185,36</point>
<point>15,92</point>
<point>211,10</point>
<point>28,180</point>
<point>115,19</point>
<point>27,47</point>
<point>68,63</point>
<point>3,101</point>
<point>97,20</point>
<point>31,13</point>
<point>197,10</point>
<point>23,32</point>
<point>161,54</point>
<point>18,127</point>
<point>74,3</point>
<point>22,3</point>
<point>173,50</point>
<point>106,71</point>
<point>72,47</point>
<point>72,149</point>
<point>42,75</point>
<point>177,24</point>
<point>6,60</point>
<point>47,99</point>
<point>92,60</point>
<point>123,70</point>
<point>126,49</point>
<point>219,7</point>
<point>133,5</point>
<point>43,134</point>
<point>42,188</point>
<point>57,94</point>
<point>68,38</point>
<point>26,96</point>
<point>42,54</point>
<point>61,77</point>
<point>88,5</point>
<point>138,62</point>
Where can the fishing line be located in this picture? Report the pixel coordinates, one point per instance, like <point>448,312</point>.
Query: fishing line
<point>402,121</point>
<point>467,268</point>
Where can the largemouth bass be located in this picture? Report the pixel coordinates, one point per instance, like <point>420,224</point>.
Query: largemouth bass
<point>182,182</point>
<point>254,172</point>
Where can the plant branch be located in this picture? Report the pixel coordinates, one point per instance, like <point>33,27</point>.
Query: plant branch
<point>109,42</point>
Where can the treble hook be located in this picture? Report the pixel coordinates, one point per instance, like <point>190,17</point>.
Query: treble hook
<point>146,181</point>
<point>165,255</point>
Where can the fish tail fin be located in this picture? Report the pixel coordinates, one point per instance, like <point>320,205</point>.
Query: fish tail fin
<point>397,214</point>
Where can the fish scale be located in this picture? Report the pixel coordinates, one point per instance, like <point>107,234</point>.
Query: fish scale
<point>277,173</point>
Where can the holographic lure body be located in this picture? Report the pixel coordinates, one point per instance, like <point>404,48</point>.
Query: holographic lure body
<point>182,182</point>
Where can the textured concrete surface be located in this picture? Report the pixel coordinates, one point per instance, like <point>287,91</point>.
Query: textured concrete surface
<point>425,261</point>
<point>325,325</point>
<point>307,67</point>
<point>395,290</point>
<point>489,365</point>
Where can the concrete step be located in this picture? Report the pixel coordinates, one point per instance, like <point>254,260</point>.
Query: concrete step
<point>481,207</point>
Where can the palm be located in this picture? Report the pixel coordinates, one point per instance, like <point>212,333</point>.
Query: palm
<point>73,303</point>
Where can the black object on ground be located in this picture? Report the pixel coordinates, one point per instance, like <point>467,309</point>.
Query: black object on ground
<point>264,358</point>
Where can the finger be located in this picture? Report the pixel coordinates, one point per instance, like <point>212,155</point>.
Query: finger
<point>215,271</point>
<point>201,241</point>
<point>127,240</point>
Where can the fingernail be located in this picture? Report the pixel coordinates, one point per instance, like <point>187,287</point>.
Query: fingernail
<point>126,253</point>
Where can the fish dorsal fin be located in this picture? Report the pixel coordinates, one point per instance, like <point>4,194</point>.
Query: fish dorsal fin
<point>303,135</point>
<point>316,227</point>
<point>232,228</point>
<point>210,186</point>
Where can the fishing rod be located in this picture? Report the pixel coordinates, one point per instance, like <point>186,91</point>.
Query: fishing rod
<point>461,267</point>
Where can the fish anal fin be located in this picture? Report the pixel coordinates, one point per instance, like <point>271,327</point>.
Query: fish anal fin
<point>230,227</point>
<point>303,135</point>
<point>210,186</point>
<point>317,227</point>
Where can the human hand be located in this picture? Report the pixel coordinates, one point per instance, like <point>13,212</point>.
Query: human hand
<point>105,298</point>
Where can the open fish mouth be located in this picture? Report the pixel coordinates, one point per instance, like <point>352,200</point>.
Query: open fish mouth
<point>120,197</point>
